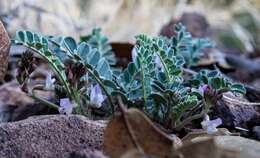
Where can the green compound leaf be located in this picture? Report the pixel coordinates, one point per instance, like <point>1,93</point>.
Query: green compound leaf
<point>100,42</point>
<point>238,88</point>
<point>70,44</point>
<point>39,44</point>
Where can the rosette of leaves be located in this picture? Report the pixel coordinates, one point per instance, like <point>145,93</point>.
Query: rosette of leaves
<point>135,81</point>
<point>76,66</point>
<point>170,95</point>
<point>100,42</point>
<point>214,86</point>
<point>160,92</point>
<point>191,49</point>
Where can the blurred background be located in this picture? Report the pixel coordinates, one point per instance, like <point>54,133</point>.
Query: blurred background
<point>233,24</point>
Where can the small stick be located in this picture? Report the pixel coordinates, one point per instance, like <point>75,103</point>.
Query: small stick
<point>232,100</point>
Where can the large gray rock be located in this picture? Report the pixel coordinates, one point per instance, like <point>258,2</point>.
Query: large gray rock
<point>234,114</point>
<point>50,136</point>
<point>256,132</point>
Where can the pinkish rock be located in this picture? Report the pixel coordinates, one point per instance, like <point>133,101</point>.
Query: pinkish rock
<point>50,136</point>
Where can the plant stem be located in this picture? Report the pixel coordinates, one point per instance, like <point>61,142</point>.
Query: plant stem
<point>43,101</point>
<point>55,69</point>
<point>188,120</point>
<point>59,75</point>
<point>165,67</point>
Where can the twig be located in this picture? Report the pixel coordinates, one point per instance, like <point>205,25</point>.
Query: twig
<point>189,71</point>
<point>232,100</point>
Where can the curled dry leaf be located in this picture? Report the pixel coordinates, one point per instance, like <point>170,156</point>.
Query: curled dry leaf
<point>4,50</point>
<point>193,135</point>
<point>133,131</point>
<point>206,148</point>
<point>219,147</point>
<point>132,134</point>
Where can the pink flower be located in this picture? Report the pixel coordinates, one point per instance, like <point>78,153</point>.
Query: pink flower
<point>66,106</point>
<point>210,126</point>
<point>96,96</point>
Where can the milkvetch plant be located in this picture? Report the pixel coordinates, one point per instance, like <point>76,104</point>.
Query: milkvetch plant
<point>155,81</point>
<point>75,65</point>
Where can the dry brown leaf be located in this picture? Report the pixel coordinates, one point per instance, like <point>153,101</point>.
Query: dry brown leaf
<point>193,135</point>
<point>133,131</point>
<point>132,135</point>
<point>4,50</point>
<point>219,147</point>
<point>206,148</point>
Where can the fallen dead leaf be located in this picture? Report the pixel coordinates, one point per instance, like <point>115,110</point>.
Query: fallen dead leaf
<point>4,50</point>
<point>206,148</point>
<point>133,131</point>
<point>132,135</point>
<point>193,135</point>
<point>219,147</point>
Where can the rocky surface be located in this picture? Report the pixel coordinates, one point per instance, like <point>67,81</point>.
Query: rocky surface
<point>50,136</point>
<point>246,146</point>
<point>256,132</point>
<point>233,114</point>
<point>87,153</point>
<point>196,24</point>
<point>220,147</point>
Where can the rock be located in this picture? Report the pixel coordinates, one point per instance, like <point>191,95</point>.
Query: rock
<point>50,136</point>
<point>16,105</point>
<point>256,132</point>
<point>195,23</point>
<point>234,115</point>
<point>243,145</point>
<point>220,147</point>
<point>87,153</point>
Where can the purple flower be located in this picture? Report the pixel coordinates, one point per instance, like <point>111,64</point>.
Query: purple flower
<point>203,88</point>
<point>96,96</point>
<point>66,106</point>
<point>158,62</point>
<point>134,54</point>
<point>210,126</point>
